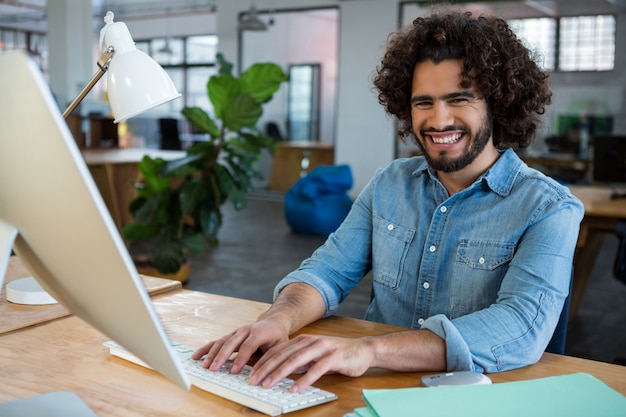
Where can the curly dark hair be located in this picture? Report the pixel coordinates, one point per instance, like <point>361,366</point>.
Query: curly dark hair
<point>503,69</point>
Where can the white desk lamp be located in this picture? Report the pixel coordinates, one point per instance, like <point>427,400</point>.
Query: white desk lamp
<point>135,83</point>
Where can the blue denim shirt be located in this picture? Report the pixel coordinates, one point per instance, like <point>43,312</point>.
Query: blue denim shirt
<point>487,269</point>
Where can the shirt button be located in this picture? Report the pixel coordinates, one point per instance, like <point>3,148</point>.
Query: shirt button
<point>443,209</point>
<point>426,285</point>
<point>481,260</point>
<point>432,248</point>
<point>390,227</point>
<point>420,321</point>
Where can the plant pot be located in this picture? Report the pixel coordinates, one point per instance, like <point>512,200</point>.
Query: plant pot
<point>144,267</point>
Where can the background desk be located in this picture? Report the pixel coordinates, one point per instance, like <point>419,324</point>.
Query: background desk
<point>67,355</point>
<point>293,160</point>
<point>601,215</point>
<point>566,167</point>
<point>115,172</point>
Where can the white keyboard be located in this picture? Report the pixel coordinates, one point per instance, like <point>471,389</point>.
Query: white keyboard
<point>235,387</point>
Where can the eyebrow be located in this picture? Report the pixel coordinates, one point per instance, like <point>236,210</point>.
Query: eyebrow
<point>453,95</point>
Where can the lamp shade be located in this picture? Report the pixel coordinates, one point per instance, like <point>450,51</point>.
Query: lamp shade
<point>135,82</point>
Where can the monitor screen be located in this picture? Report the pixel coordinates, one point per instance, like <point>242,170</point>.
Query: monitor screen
<point>60,228</point>
<point>609,159</point>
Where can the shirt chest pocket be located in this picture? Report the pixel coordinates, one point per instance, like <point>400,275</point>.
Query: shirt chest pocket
<point>483,254</point>
<point>390,246</point>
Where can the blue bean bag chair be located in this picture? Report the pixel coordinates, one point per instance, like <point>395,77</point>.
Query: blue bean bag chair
<point>317,203</point>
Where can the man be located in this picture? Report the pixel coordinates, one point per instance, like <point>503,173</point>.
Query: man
<point>468,247</point>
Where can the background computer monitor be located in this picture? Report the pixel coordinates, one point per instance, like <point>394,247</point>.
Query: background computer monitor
<point>609,159</point>
<point>65,235</point>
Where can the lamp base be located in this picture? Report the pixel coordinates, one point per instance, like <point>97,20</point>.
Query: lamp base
<point>28,291</point>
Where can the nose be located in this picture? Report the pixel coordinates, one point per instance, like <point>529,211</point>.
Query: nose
<point>440,116</point>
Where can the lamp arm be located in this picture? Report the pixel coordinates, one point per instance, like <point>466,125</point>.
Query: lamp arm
<point>103,65</point>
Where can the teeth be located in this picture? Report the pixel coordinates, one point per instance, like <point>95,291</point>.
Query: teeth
<point>446,139</point>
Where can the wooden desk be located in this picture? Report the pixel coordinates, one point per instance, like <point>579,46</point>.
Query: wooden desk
<point>566,166</point>
<point>67,354</point>
<point>115,172</point>
<point>295,159</point>
<point>601,215</point>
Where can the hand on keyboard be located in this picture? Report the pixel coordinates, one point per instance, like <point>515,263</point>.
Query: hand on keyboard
<point>236,387</point>
<point>246,341</point>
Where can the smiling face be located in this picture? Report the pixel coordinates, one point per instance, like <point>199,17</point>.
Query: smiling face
<point>452,124</point>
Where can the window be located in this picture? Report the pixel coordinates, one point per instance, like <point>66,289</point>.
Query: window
<point>585,43</point>
<point>189,61</point>
<point>538,35</point>
<point>303,102</point>
<point>33,42</point>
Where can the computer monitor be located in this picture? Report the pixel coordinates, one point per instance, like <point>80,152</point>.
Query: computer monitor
<point>54,217</point>
<point>609,159</point>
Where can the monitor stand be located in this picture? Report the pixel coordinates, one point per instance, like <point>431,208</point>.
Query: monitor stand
<point>24,290</point>
<point>8,233</point>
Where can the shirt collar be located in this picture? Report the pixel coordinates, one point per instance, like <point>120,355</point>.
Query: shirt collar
<point>500,177</point>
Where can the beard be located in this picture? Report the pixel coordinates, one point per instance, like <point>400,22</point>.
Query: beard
<point>475,145</point>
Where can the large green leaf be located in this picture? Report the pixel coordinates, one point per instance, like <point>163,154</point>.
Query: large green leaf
<point>260,140</point>
<point>167,253</point>
<point>210,221</point>
<point>225,67</point>
<point>183,166</point>
<point>201,120</point>
<point>136,231</point>
<point>262,80</point>
<point>221,90</point>
<point>191,195</point>
<point>193,242</point>
<point>242,111</point>
<point>153,210</point>
<point>153,182</point>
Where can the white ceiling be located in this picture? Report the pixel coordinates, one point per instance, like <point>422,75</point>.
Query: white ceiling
<point>30,14</point>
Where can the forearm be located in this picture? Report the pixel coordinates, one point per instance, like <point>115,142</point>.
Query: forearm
<point>297,305</point>
<point>408,351</point>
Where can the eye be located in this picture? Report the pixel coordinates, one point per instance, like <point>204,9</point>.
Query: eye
<point>422,104</point>
<point>459,100</point>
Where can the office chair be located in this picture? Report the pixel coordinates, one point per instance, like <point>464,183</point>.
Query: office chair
<point>170,138</point>
<point>273,131</point>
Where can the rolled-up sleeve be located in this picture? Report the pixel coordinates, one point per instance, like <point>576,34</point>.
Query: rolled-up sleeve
<point>458,355</point>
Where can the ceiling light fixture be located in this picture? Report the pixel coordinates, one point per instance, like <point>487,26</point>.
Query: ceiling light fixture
<point>251,21</point>
<point>166,49</point>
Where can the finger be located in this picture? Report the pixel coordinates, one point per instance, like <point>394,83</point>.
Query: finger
<point>315,372</point>
<point>283,360</point>
<point>201,351</point>
<point>223,349</point>
<point>248,348</point>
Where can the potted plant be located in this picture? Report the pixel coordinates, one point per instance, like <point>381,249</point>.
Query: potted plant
<point>178,204</point>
